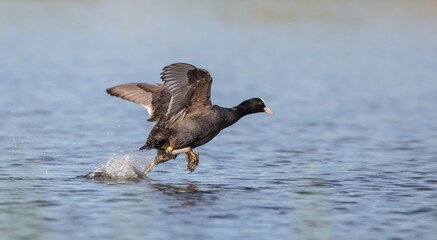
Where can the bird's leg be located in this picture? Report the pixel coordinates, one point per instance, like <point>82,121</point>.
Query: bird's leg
<point>149,168</point>
<point>192,158</point>
<point>177,151</point>
<point>161,157</point>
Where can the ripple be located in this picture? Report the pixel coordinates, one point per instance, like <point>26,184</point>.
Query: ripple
<point>223,216</point>
<point>305,192</point>
<point>415,211</point>
<point>43,203</point>
<point>243,189</point>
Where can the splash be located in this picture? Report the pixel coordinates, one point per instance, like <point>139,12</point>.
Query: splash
<point>120,167</point>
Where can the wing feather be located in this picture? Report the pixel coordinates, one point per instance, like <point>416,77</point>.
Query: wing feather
<point>131,92</point>
<point>180,86</point>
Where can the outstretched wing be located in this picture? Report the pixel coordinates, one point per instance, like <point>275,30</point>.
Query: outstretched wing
<point>188,86</point>
<point>186,90</point>
<point>133,93</point>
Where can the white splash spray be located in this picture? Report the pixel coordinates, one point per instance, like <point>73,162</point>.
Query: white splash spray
<point>121,167</point>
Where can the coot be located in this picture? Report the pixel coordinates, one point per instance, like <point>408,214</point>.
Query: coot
<point>182,110</point>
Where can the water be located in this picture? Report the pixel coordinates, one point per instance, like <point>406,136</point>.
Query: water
<point>350,151</point>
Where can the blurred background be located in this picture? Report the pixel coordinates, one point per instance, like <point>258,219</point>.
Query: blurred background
<point>350,150</point>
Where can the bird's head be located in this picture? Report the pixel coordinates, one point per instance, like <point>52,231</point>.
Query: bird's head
<point>254,105</point>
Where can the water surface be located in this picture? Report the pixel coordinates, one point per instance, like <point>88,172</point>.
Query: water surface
<point>350,151</point>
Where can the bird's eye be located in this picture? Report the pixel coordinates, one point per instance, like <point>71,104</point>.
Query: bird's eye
<point>260,103</point>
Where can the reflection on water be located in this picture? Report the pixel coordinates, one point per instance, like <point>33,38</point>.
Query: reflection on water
<point>350,151</point>
<point>187,196</point>
<point>174,190</point>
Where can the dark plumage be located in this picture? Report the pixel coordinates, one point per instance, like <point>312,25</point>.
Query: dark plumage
<point>182,109</point>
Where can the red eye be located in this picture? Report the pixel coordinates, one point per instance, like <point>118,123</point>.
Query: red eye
<point>260,103</point>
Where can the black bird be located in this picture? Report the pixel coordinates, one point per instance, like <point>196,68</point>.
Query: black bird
<point>182,109</point>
